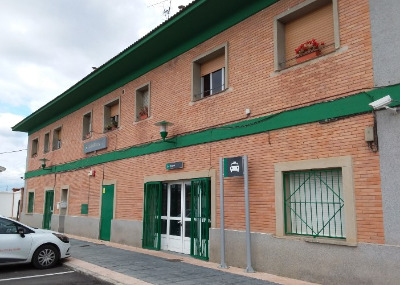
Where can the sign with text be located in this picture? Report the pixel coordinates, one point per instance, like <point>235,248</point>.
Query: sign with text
<point>233,166</point>
<point>95,145</point>
<point>174,165</point>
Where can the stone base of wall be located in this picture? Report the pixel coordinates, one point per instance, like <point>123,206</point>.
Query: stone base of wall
<point>127,232</point>
<point>81,226</point>
<point>314,262</point>
<point>32,220</point>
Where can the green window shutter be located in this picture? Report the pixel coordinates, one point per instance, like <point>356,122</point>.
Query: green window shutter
<point>152,215</point>
<point>200,217</point>
<point>31,200</point>
<point>314,203</point>
<point>84,209</point>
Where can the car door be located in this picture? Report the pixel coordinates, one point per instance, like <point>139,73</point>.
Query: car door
<point>13,247</point>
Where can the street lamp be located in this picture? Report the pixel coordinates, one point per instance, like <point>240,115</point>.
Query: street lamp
<point>163,129</point>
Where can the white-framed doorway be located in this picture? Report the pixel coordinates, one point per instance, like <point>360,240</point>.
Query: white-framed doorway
<point>175,216</point>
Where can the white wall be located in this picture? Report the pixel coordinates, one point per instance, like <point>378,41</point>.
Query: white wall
<point>7,208</point>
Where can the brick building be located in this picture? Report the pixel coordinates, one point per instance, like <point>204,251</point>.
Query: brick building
<point>232,85</point>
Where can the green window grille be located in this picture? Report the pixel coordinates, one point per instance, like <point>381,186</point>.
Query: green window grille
<point>152,215</point>
<point>314,203</point>
<point>31,200</point>
<point>200,217</point>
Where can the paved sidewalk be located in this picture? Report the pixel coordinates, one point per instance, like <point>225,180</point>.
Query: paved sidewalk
<point>120,264</point>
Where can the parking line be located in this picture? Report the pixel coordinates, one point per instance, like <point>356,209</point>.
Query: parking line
<point>33,276</point>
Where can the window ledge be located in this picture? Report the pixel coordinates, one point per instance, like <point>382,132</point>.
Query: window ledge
<point>300,65</point>
<point>142,120</point>
<point>320,240</point>
<point>226,90</point>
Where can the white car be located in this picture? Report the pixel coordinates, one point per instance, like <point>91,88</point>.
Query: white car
<point>22,244</point>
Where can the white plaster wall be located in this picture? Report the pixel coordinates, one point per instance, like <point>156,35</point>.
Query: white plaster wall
<point>7,208</point>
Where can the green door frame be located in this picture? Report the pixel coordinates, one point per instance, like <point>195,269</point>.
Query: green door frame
<point>107,211</point>
<point>152,215</point>
<point>48,209</point>
<point>200,217</point>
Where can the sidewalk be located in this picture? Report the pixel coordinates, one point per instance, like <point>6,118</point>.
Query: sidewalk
<point>121,264</point>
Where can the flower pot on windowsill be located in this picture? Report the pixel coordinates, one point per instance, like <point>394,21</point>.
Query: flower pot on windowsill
<point>308,56</point>
<point>142,117</point>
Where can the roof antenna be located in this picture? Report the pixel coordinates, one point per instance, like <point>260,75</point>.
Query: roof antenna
<point>167,10</point>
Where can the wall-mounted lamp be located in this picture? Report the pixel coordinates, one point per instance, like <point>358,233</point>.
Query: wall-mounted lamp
<point>163,129</point>
<point>43,160</point>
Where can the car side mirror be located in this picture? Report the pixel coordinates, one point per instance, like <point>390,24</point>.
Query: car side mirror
<point>21,232</point>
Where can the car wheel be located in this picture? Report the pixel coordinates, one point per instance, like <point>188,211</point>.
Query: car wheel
<point>45,256</point>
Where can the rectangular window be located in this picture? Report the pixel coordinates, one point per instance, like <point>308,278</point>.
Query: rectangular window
<point>314,20</point>
<point>87,126</point>
<point>46,147</point>
<point>111,115</point>
<point>31,201</point>
<point>142,102</point>
<point>57,138</point>
<point>209,73</point>
<point>34,148</point>
<point>212,83</point>
<point>314,203</point>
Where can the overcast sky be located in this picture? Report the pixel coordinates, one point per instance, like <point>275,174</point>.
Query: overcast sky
<point>46,46</point>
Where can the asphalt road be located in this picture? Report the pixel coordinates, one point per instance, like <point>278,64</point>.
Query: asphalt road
<point>27,274</point>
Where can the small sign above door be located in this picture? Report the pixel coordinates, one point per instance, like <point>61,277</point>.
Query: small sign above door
<point>233,166</point>
<point>174,165</point>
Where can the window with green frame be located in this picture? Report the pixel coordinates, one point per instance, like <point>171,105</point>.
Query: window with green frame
<point>31,200</point>
<point>314,203</point>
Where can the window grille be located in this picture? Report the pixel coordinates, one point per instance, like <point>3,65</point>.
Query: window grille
<point>314,203</point>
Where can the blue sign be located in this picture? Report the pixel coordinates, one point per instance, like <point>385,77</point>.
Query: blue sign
<point>95,145</point>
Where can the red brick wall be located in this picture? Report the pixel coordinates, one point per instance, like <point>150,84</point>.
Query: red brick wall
<point>252,84</point>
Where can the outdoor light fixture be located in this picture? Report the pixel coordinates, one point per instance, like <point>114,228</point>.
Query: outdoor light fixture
<point>163,129</point>
<point>43,160</point>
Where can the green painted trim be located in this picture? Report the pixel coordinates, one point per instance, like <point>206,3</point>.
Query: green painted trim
<point>352,105</point>
<point>189,28</point>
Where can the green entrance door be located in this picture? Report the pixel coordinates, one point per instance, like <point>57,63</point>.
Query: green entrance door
<point>48,209</point>
<point>200,217</point>
<point>107,211</point>
<point>152,215</point>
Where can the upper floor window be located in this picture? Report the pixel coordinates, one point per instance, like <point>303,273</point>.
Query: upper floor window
<point>142,102</point>
<point>57,138</point>
<point>87,126</point>
<point>210,73</point>
<point>111,115</point>
<point>46,146</point>
<point>35,146</point>
<point>306,31</point>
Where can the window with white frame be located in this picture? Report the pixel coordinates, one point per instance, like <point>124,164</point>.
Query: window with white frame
<point>314,203</point>
<point>142,102</point>
<point>209,73</point>
<point>296,36</point>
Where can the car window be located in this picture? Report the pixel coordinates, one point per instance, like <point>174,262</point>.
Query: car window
<point>7,227</point>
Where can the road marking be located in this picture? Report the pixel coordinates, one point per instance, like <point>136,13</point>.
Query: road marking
<point>34,276</point>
